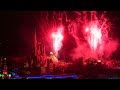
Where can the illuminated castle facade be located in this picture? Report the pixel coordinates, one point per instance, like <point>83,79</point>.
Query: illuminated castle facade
<point>42,60</point>
<point>39,53</point>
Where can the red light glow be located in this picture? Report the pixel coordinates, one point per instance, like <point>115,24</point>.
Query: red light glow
<point>4,72</point>
<point>99,60</point>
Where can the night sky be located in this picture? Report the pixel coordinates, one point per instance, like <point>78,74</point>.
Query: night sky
<point>17,30</point>
<point>16,33</point>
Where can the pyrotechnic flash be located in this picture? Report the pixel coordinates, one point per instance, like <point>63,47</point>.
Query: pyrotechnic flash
<point>57,39</point>
<point>97,32</point>
<point>94,36</point>
<point>53,57</point>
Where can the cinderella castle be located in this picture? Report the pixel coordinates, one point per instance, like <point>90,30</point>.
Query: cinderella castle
<point>41,59</point>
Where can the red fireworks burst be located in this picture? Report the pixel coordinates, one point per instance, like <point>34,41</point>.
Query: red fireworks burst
<point>97,32</point>
<point>57,39</point>
<point>94,36</point>
<point>89,30</point>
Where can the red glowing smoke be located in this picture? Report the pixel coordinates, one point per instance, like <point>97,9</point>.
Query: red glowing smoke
<point>57,39</point>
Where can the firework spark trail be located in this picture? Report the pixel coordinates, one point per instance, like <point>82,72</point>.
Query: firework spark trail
<point>96,37</point>
<point>50,25</point>
<point>57,39</point>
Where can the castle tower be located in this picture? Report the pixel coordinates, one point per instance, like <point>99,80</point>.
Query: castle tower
<point>35,43</point>
<point>41,52</point>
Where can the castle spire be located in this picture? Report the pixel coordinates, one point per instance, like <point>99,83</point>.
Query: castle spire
<point>35,42</point>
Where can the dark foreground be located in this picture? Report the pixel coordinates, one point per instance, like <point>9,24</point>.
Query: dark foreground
<point>110,74</point>
<point>67,77</point>
<point>78,69</point>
